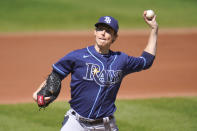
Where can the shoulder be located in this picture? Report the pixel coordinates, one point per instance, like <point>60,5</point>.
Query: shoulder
<point>119,54</point>
<point>73,55</point>
<point>76,52</point>
<point>123,57</point>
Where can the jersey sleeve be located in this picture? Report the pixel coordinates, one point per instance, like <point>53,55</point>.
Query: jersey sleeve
<point>65,65</point>
<point>136,64</point>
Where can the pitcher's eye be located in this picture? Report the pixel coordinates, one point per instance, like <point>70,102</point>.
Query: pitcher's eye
<point>99,29</point>
<point>107,29</point>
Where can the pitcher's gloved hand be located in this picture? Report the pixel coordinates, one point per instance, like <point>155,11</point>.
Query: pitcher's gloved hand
<point>50,91</point>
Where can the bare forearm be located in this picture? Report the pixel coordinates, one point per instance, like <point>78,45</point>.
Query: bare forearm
<point>152,42</point>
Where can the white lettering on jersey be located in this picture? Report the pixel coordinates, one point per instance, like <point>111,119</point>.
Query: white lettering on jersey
<point>104,77</point>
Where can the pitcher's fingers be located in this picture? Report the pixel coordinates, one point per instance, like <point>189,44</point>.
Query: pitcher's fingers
<point>35,96</point>
<point>154,18</point>
<point>47,98</point>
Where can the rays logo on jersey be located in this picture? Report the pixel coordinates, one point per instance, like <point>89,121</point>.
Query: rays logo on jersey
<point>104,77</point>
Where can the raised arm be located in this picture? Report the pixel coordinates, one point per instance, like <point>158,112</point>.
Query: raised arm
<point>152,42</point>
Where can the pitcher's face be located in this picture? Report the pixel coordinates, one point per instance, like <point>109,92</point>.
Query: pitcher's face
<point>105,35</point>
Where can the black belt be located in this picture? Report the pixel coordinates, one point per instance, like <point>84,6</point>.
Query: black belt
<point>94,122</point>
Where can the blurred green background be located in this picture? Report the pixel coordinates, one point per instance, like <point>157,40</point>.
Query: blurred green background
<point>61,15</point>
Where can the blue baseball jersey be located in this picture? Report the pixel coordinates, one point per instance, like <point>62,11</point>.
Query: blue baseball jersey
<point>96,78</point>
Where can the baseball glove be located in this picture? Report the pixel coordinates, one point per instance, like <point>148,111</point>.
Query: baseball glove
<point>50,89</point>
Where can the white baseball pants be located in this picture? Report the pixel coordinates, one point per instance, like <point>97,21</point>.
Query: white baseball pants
<point>71,123</point>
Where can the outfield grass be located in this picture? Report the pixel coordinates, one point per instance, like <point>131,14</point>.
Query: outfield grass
<point>163,114</point>
<point>44,15</point>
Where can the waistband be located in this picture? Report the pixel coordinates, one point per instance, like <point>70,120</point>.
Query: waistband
<point>91,121</point>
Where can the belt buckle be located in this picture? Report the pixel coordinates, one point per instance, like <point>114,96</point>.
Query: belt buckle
<point>91,122</point>
<point>83,120</point>
<point>94,122</point>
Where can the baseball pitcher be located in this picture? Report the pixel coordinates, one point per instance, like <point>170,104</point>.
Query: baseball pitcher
<point>96,74</point>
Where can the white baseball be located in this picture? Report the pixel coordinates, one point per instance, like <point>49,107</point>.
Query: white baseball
<point>150,14</point>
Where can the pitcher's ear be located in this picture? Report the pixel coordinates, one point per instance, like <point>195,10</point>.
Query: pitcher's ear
<point>115,37</point>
